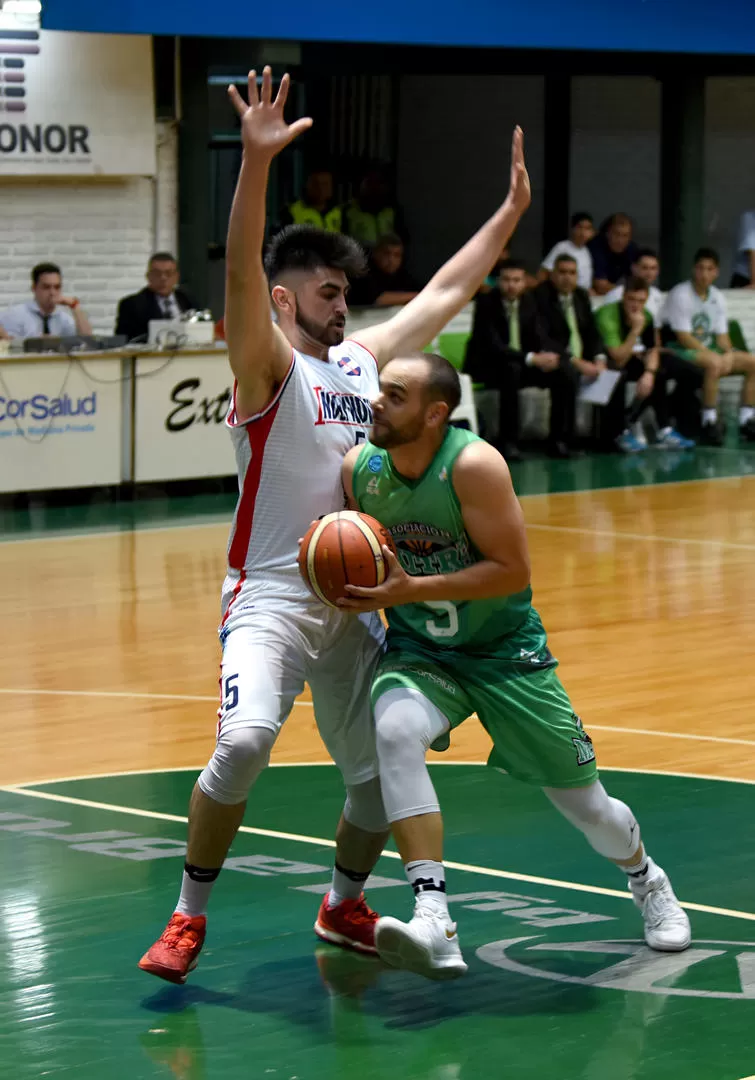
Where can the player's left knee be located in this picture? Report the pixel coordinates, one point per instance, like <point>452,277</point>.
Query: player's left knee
<point>364,807</point>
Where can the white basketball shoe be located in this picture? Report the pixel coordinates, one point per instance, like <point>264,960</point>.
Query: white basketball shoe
<point>428,945</point>
<point>667,927</point>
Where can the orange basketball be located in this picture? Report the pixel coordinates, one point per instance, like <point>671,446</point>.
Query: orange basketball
<point>342,549</point>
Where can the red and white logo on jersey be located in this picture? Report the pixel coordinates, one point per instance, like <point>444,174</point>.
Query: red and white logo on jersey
<point>349,366</point>
<point>338,408</point>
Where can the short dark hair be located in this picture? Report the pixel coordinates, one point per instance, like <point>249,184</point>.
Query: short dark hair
<point>162,256</point>
<point>636,284</point>
<point>582,215</point>
<point>707,253</point>
<point>305,247</point>
<point>390,239</point>
<point>443,383</point>
<point>510,264</point>
<point>646,253</point>
<point>44,268</point>
<point>564,258</point>
<point>619,218</point>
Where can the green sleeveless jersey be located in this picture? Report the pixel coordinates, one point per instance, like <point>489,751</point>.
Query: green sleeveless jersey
<point>424,518</point>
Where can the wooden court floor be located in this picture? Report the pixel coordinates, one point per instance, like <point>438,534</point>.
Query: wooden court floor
<point>109,653</point>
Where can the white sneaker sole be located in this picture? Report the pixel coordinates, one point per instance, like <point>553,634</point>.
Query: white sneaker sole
<point>400,950</point>
<point>326,934</point>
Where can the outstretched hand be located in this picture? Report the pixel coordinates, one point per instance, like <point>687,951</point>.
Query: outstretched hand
<point>264,130</point>
<point>520,193</point>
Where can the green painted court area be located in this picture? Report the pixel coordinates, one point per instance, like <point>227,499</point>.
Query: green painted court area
<point>559,984</point>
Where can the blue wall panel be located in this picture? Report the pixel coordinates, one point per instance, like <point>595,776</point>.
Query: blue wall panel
<point>697,26</point>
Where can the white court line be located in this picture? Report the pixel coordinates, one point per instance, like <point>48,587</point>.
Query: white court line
<point>226,520</point>
<point>308,705</point>
<point>320,841</point>
<point>643,537</point>
<point>331,765</point>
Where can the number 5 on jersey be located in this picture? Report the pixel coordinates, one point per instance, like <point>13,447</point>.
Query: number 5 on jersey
<point>440,629</point>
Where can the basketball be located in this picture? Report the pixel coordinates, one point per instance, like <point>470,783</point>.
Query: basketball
<point>343,549</point>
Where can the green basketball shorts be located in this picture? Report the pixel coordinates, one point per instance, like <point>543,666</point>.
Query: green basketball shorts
<point>537,736</point>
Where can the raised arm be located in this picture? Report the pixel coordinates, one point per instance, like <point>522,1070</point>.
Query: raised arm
<point>259,353</point>
<point>458,280</point>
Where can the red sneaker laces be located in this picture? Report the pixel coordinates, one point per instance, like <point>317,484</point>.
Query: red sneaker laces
<point>179,934</point>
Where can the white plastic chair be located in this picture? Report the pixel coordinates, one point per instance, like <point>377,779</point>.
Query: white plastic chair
<point>466,411</point>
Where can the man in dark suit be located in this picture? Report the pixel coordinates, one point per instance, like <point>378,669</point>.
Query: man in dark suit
<point>161,299</point>
<point>509,349</point>
<point>569,320</point>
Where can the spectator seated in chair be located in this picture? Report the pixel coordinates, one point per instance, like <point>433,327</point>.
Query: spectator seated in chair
<point>161,299</point>
<point>581,232</point>
<point>613,252</point>
<point>647,267</point>
<point>49,314</point>
<point>386,283</point>
<point>696,328</point>
<point>316,206</point>
<point>509,349</point>
<point>631,340</point>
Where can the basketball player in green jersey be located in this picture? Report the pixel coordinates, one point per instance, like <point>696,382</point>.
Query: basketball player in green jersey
<point>464,637</point>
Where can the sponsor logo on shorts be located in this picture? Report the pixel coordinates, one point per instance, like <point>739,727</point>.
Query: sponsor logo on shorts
<point>423,673</point>
<point>582,743</point>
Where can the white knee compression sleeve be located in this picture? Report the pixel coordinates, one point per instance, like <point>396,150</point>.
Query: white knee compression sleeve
<point>364,807</point>
<point>240,756</point>
<point>406,722</point>
<point>609,825</point>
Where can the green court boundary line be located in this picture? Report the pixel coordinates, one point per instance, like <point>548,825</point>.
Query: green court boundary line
<point>61,534</point>
<point>320,841</point>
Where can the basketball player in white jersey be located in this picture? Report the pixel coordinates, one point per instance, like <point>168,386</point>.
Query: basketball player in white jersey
<point>301,401</point>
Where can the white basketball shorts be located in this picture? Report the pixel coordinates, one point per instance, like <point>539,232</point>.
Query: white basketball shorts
<point>274,643</point>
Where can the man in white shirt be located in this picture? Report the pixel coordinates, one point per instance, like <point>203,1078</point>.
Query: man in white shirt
<point>646,267</point>
<point>49,314</point>
<point>744,267</point>
<point>696,327</point>
<point>582,231</point>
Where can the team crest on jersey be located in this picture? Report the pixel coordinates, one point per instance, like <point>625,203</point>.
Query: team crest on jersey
<point>349,367</point>
<point>338,408</point>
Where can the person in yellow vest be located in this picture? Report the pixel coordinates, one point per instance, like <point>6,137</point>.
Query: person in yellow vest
<point>315,207</point>
<point>372,214</point>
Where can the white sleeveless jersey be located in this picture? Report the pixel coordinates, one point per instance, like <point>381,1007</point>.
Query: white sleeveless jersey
<point>289,459</point>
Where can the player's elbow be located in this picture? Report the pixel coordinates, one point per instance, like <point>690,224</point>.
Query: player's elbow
<point>517,573</point>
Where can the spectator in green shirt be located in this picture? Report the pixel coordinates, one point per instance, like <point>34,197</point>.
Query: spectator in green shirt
<point>633,348</point>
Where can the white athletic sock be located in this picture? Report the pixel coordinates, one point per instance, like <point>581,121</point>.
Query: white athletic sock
<point>428,879</point>
<point>196,887</point>
<point>642,874</point>
<point>746,413</point>
<point>346,885</point>
<point>710,416</point>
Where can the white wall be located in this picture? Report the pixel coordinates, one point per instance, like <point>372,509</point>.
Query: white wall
<point>453,157</point>
<point>100,231</point>
<point>729,162</point>
<point>615,150</point>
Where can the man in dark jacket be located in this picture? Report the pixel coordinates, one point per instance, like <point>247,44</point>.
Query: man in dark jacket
<point>509,349</point>
<point>161,299</point>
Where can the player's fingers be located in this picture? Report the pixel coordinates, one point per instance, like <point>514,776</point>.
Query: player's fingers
<point>357,591</point>
<point>254,97</point>
<point>280,97</point>
<point>517,145</point>
<point>299,126</point>
<point>267,85</point>
<point>236,100</point>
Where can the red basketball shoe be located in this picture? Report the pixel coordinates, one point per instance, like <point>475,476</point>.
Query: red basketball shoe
<point>176,951</point>
<point>351,925</point>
